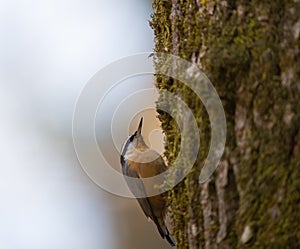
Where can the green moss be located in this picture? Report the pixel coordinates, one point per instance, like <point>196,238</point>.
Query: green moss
<point>242,50</point>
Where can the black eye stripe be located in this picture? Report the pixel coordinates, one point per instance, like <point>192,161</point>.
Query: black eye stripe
<point>128,141</point>
<point>132,137</point>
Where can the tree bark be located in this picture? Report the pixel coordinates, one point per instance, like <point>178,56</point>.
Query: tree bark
<point>250,50</point>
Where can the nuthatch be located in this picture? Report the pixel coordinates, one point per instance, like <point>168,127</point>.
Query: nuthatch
<point>133,165</point>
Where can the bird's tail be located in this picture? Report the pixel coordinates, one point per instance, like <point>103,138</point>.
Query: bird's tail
<point>164,232</point>
<point>170,239</point>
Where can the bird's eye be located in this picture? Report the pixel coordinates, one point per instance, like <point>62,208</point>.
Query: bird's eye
<point>131,138</point>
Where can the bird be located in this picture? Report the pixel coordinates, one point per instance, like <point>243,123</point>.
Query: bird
<point>139,161</point>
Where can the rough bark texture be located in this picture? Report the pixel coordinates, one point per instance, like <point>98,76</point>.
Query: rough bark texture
<point>250,50</point>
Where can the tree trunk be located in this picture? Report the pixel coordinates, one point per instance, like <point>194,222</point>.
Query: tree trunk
<point>250,52</point>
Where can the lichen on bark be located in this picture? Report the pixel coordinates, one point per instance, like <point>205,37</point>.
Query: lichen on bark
<point>250,50</point>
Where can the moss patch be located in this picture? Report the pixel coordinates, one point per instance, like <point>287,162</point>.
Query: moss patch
<point>248,51</point>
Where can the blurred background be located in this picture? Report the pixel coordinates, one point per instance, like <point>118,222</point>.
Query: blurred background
<point>48,51</point>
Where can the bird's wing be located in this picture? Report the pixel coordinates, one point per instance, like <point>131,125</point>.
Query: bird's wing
<point>138,189</point>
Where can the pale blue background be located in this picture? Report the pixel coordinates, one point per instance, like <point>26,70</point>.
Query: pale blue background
<point>48,50</point>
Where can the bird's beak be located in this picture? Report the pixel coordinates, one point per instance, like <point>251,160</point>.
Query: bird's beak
<point>139,130</point>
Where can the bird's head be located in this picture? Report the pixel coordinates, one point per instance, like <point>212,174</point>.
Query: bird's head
<point>134,141</point>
